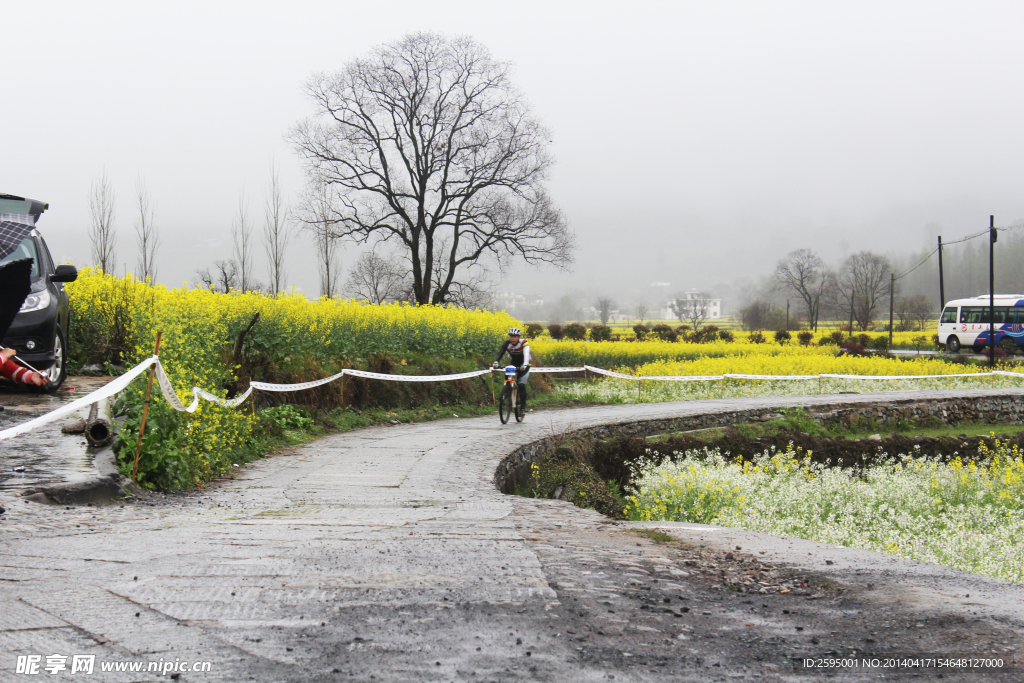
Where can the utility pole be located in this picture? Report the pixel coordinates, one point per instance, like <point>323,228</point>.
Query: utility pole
<point>892,289</point>
<point>851,316</point>
<point>942,286</point>
<point>992,236</point>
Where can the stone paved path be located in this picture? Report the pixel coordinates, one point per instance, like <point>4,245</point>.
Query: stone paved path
<point>383,554</point>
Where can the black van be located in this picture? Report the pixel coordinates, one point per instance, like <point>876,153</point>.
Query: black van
<point>39,332</point>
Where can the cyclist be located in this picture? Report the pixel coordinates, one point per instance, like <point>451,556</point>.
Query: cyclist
<point>518,350</point>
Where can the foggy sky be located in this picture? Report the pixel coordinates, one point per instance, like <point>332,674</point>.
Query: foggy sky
<point>695,142</point>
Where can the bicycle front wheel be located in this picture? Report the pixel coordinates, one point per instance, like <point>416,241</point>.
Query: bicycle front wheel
<point>505,407</point>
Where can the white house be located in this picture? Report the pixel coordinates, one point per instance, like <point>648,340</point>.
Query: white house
<point>712,307</point>
<point>509,301</point>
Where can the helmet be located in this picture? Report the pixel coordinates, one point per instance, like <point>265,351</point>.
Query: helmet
<point>515,332</point>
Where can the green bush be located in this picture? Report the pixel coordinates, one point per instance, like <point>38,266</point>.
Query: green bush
<point>533,330</point>
<point>782,336</point>
<point>280,418</point>
<point>705,335</point>
<point>576,331</point>
<point>664,332</point>
<point>556,331</point>
<point>600,333</point>
<point>641,331</point>
<point>757,337</point>
<point>805,337</point>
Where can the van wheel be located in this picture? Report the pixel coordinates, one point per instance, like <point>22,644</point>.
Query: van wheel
<point>953,344</point>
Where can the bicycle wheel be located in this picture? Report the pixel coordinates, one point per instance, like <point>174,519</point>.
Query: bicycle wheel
<point>505,407</point>
<point>520,409</point>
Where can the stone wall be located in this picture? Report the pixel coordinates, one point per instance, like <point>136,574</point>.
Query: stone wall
<point>997,409</point>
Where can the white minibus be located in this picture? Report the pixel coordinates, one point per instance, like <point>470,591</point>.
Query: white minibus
<point>965,322</point>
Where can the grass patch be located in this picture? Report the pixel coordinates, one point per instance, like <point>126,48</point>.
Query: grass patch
<point>659,537</point>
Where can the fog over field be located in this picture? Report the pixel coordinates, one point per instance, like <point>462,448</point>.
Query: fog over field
<point>696,142</point>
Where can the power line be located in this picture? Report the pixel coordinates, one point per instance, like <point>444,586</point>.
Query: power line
<point>923,261</point>
<point>1018,226</point>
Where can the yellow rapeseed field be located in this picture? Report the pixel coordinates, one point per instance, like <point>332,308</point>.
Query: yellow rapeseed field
<point>740,357</point>
<point>812,360</point>
<point>116,320</point>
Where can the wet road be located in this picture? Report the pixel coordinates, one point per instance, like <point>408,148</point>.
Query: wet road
<point>387,554</point>
<point>48,456</point>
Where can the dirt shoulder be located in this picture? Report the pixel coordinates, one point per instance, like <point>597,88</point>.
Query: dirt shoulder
<point>715,604</point>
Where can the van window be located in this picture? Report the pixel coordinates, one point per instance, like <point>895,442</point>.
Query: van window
<point>975,315</point>
<point>949,315</point>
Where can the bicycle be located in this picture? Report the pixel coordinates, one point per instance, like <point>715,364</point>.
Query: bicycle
<point>509,401</point>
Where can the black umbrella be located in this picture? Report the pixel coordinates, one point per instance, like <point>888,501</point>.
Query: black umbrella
<point>15,283</point>
<point>14,227</point>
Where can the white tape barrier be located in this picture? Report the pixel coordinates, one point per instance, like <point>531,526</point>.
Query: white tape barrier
<point>543,370</point>
<point>962,374</point>
<point>416,378</point>
<point>264,386</point>
<point>119,384</point>
<point>197,393</point>
<point>116,386</point>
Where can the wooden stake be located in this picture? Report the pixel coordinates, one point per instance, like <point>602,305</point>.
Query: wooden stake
<point>145,408</point>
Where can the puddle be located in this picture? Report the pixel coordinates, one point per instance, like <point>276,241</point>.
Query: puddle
<point>48,456</point>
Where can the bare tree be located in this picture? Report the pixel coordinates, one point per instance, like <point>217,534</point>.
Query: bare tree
<point>641,311</point>
<point>427,141</point>
<point>475,292</point>
<point>761,315</point>
<point>693,308</point>
<point>147,237</point>
<point>241,238</point>
<point>275,231</point>
<point>474,289</point>
<point>102,234</point>
<point>376,279</point>
<point>921,311</point>
<point>223,277</point>
<point>604,306</point>
<point>317,216</point>
<point>859,288</point>
<point>902,314</point>
<point>803,273</point>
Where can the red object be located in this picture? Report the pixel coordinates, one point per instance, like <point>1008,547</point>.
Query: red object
<point>12,370</point>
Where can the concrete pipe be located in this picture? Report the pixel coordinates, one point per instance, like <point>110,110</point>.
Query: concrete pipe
<point>99,426</point>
